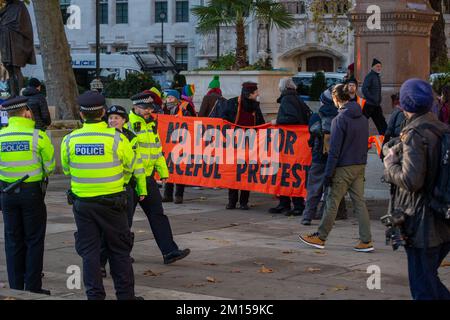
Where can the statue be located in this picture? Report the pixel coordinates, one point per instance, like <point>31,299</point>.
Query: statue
<point>16,41</point>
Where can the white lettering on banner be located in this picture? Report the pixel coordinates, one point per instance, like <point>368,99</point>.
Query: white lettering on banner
<point>74,280</point>
<point>374,280</point>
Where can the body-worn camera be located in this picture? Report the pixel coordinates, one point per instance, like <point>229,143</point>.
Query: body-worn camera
<point>393,233</point>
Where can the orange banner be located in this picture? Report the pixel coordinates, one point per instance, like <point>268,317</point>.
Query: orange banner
<point>212,152</point>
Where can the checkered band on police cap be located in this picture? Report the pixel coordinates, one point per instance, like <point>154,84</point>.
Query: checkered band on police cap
<point>15,103</point>
<point>91,101</point>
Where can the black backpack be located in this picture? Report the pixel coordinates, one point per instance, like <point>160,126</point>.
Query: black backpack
<point>440,193</point>
<point>218,109</point>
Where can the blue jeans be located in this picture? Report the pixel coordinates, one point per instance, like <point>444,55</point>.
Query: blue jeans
<point>423,265</point>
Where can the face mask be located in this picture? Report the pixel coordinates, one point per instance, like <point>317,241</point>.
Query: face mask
<point>258,99</point>
<point>171,105</point>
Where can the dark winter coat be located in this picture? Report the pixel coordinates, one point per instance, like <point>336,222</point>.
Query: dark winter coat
<point>230,112</point>
<point>208,104</point>
<point>349,138</point>
<point>292,109</point>
<point>326,114</point>
<point>371,88</point>
<point>395,123</point>
<point>413,175</point>
<point>39,107</point>
<point>16,35</point>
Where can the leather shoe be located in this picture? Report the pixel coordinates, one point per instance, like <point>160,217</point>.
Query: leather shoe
<point>41,291</point>
<point>244,207</point>
<point>294,212</point>
<point>279,209</point>
<point>138,298</point>
<point>176,255</point>
<point>230,206</point>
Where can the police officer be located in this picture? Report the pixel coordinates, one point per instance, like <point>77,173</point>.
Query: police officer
<point>143,125</point>
<point>135,183</point>
<point>97,158</point>
<point>24,151</point>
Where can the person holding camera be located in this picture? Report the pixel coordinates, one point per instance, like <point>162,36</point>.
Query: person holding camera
<point>412,165</point>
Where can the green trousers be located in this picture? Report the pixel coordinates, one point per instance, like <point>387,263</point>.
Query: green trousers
<point>346,179</point>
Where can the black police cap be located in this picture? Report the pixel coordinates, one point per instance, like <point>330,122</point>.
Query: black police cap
<point>91,101</point>
<point>15,103</point>
<point>119,110</point>
<point>144,99</point>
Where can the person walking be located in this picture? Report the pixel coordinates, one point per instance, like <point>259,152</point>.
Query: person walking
<point>371,90</point>
<point>345,170</point>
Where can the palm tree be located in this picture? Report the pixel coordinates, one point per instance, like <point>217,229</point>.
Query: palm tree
<point>236,13</point>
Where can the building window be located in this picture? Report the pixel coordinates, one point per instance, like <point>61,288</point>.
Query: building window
<point>121,11</point>
<point>160,6</point>
<point>121,48</point>
<point>158,50</point>
<point>64,4</point>
<point>182,9</point>
<point>181,57</point>
<point>295,7</point>
<point>103,12</point>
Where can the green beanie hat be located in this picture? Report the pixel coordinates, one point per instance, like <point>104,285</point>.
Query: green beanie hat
<point>215,83</point>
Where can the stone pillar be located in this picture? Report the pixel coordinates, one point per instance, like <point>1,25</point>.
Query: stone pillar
<point>402,43</point>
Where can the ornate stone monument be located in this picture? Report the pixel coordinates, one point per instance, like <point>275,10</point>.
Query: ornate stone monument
<point>402,41</point>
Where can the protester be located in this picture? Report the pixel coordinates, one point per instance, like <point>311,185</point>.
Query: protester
<point>243,111</point>
<point>396,120</point>
<point>211,97</point>
<point>187,96</point>
<point>372,93</point>
<point>319,129</point>
<point>353,90</point>
<point>350,72</point>
<point>38,104</point>
<point>444,105</point>
<point>412,164</point>
<point>293,111</point>
<point>177,107</point>
<point>345,170</point>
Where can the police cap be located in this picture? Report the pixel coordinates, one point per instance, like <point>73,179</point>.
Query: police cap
<point>91,101</point>
<point>145,99</point>
<point>119,110</point>
<point>15,103</point>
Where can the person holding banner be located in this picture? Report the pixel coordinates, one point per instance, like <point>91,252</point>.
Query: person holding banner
<point>345,170</point>
<point>293,111</point>
<point>143,125</point>
<point>243,111</point>
<point>175,107</point>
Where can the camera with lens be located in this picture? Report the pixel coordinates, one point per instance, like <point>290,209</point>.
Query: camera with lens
<point>394,235</point>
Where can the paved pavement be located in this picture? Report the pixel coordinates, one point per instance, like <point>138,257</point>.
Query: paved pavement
<point>235,254</point>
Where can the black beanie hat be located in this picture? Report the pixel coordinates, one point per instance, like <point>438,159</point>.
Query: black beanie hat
<point>375,62</point>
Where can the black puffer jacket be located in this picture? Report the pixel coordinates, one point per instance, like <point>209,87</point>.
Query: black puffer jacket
<point>413,173</point>
<point>292,109</point>
<point>39,107</point>
<point>372,88</point>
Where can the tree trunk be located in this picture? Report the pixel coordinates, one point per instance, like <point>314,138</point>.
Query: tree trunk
<point>438,48</point>
<point>241,48</point>
<point>60,82</point>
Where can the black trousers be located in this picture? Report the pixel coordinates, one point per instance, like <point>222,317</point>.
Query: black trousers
<point>130,193</point>
<point>376,113</point>
<point>96,220</point>
<point>25,221</point>
<point>168,190</point>
<point>159,222</point>
<point>233,196</point>
<point>298,202</point>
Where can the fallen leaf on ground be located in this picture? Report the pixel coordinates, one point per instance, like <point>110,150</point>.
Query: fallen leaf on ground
<point>310,269</point>
<point>210,264</point>
<point>211,279</point>
<point>339,288</point>
<point>258,263</point>
<point>265,270</point>
<point>320,252</point>
<point>288,252</point>
<point>150,273</point>
<point>445,264</point>
<point>210,239</point>
<point>235,271</point>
